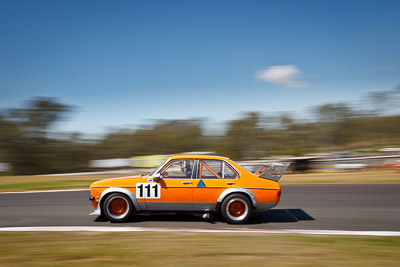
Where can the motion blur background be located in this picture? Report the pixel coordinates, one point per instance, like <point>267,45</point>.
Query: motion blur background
<point>94,80</point>
<point>93,89</point>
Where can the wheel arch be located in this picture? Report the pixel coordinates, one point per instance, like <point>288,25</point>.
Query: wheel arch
<point>121,190</point>
<point>242,191</point>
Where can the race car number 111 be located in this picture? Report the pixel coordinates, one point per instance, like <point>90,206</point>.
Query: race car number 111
<point>148,190</point>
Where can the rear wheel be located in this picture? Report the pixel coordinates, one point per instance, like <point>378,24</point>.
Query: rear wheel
<point>117,207</point>
<point>236,209</point>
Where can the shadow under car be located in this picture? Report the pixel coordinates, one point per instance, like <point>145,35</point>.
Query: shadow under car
<point>270,216</point>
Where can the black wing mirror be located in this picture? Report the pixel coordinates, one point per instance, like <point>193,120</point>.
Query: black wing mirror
<point>157,177</point>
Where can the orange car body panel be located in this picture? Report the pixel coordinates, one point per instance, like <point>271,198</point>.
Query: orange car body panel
<point>188,190</point>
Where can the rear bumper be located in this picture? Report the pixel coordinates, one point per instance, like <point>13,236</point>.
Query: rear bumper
<point>265,206</point>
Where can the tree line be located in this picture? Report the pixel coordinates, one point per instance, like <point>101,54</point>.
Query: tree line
<point>28,142</point>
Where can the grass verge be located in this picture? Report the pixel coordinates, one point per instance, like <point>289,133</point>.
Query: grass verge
<point>185,249</point>
<point>46,185</point>
<point>34,182</point>
<point>355,177</point>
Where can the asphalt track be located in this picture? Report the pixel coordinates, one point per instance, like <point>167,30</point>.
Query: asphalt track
<point>318,207</point>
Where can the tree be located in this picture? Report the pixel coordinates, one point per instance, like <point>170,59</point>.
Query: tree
<point>25,140</point>
<point>242,137</point>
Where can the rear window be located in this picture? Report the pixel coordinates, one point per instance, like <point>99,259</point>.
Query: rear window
<point>216,169</point>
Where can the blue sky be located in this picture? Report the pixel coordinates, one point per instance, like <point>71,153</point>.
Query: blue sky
<point>126,62</point>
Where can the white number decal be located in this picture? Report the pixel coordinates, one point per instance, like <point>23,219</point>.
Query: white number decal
<point>148,190</point>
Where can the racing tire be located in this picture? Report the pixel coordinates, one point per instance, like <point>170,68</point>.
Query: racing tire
<point>236,209</point>
<point>117,207</point>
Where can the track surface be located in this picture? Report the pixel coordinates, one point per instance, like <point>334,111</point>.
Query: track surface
<point>328,207</point>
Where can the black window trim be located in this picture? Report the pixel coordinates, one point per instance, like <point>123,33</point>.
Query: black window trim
<point>227,163</point>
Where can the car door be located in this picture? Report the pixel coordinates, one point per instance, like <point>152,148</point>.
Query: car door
<point>213,177</point>
<point>175,187</point>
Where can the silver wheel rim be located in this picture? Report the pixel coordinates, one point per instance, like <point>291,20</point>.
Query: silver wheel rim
<point>111,212</point>
<point>238,202</point>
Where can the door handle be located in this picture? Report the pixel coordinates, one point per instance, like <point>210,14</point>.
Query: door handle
<point>230,183</point>
<point>186,182</point>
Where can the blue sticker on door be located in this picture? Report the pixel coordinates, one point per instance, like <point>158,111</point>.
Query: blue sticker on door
<point>201,184</point>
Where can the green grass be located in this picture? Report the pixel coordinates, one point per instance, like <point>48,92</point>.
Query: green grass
<point>185,249</point>
<point>35,182</point>
<point>355,177</point>
<point>46,185</point>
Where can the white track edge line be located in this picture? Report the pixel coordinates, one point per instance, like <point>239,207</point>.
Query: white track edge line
<point>195,230</point>
<point>46,191</point>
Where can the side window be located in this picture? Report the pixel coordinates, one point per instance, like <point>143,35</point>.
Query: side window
<point>216,169</point>
<point>179,168</point>
<point>229,173</point>
<point>210,169</point>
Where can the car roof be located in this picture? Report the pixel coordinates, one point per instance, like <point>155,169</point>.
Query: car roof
<point>194,156</point>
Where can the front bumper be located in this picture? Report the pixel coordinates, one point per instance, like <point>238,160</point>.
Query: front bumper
<point>96,205</point>
<point>97,211</point>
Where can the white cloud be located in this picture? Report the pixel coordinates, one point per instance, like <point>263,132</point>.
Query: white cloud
<point>287,75</point>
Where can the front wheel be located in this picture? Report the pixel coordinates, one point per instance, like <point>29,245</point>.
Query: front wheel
<point>236,209</point>
<point>117,207</point>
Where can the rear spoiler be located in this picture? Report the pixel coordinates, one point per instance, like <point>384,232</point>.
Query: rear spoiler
<point>273,171</point>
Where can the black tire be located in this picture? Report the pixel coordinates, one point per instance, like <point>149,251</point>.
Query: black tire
<point>236,209</point>
<point>117,207</point>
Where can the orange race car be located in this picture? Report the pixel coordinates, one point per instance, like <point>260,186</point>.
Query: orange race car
<point>194,184</point>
